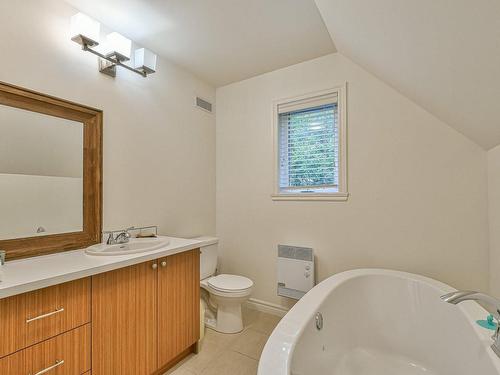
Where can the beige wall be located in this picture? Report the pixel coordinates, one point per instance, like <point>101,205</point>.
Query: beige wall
<point>494,215</point>
<point>159,150</point>
<point>418,188</point>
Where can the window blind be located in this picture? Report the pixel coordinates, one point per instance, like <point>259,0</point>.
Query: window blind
<point>309,148</point>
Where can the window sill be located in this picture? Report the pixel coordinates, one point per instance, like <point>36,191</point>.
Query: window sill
<point>310,197</point>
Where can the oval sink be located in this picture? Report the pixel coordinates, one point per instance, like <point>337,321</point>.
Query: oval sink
<point>135,245</point>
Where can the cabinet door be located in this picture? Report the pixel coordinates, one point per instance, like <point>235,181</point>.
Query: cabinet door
<point>178,304</point>
<point>124,321</point>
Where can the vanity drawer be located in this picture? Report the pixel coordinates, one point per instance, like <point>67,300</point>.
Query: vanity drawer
<point>66,354</point>
<point>36,316</point>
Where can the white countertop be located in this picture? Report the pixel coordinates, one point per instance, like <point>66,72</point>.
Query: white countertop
<point>25,275</point>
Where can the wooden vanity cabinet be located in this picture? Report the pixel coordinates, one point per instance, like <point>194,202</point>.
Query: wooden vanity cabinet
<point>137,320</point>
<point>145,317</point>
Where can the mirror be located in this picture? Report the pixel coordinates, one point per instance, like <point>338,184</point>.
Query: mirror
<point>41,174</point>
<point>50,173</point>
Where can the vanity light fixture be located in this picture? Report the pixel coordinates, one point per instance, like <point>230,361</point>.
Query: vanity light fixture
<point>118,46</point>
<point>117,49</point>
<point>84,30</point>
<point>145,60</point>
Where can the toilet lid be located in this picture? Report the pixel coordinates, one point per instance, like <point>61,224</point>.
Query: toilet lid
<point>230,282</point>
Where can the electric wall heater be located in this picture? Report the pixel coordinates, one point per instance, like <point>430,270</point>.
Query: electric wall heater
<point>296,275</point>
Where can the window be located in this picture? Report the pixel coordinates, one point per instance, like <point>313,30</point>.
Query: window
<point>310,147</point>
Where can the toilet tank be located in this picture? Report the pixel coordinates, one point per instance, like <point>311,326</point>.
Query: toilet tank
<point>208,260</point>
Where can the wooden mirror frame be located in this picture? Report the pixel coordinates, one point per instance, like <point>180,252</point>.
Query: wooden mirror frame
<point>91,119</point>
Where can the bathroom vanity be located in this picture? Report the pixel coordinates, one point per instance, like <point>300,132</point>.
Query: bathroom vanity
<point>63,311</point>
<point>136,314</point>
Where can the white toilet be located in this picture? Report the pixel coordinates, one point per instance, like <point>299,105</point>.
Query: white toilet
<point>224,293</point>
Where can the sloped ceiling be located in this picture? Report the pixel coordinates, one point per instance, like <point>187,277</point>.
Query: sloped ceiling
<point>442,54</point>
<point>221,41</point>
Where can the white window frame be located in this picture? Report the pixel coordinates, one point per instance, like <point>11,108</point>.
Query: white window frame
<point>342,193</point>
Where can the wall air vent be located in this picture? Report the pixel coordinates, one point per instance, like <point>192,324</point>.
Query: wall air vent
<point>203,104</point>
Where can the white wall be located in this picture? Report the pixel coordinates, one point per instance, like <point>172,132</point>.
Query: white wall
<point>418,188</point>
<point>494,216</point>
<point>159,151</point>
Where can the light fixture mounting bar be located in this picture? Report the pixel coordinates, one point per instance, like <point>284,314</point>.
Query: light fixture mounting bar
<point>113,60</point>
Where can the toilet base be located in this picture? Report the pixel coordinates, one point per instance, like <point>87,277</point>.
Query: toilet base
<point>229,318</point>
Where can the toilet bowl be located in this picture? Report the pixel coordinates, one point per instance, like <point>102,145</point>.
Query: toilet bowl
<point>227,293</point>
<point>224,293</point>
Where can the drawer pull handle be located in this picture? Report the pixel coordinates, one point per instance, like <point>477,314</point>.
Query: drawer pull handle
<point>44,371</point>
<point>45,315</point>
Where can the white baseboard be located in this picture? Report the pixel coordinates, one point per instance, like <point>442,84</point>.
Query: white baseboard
<point>266,307</point>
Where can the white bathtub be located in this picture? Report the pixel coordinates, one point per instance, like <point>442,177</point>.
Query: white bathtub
<point>380,322</point>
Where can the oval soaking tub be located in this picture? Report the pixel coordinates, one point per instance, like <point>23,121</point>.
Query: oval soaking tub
<point>380,322</point>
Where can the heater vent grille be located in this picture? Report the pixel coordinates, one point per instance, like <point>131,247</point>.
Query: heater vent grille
<point>295,252</point>
<point>203,104</point>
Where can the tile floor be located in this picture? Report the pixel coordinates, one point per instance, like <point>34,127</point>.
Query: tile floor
<point>236,354</point>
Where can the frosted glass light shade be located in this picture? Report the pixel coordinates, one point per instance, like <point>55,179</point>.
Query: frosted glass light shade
<point>145,59</point>
<point>84,29</point>
<point>119,46</point>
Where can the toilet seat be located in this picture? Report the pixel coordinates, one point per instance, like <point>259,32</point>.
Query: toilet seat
<point>230,283</point>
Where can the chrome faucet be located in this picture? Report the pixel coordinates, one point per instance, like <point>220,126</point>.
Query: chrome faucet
<point>492,305</point>
<point>122,237</point>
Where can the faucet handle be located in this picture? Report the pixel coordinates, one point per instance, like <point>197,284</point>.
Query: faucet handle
<point>111,238</point>
<point>3,254</point>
